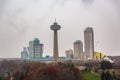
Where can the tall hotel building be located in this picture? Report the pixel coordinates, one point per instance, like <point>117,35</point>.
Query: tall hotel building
<point>89,42</point>
<point>78,49</point>
<point>35,49</point>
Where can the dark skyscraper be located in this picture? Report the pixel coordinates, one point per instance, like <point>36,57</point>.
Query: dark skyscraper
<point>55,27</point>
<point>89,42</point>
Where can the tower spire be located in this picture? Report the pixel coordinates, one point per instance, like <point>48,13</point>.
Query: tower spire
<point>55,20</point>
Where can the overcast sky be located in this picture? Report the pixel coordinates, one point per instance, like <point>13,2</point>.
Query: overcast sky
<point>24,20</point>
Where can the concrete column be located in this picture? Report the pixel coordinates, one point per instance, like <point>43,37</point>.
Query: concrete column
<point>55,51</point>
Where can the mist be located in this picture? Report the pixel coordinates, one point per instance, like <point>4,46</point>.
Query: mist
<point>24,20</point>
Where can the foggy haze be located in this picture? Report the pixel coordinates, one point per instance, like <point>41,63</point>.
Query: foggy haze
<point>24,20</point>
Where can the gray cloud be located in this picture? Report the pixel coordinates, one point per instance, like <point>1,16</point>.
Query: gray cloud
<point>23,20</point>
<point>87,2</point>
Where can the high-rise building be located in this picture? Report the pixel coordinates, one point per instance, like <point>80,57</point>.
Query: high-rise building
<point>35,49</point>
<point>89,42</point>
<point>24,53</point>
<point>78,50</point>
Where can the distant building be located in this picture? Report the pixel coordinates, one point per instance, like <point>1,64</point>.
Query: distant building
<point>24,53</point>
<point>89,42</point>
<point>34,51</point>
<point>98,56</point>
<point>37,47</point>
<point>69,54</point>
<point>78,50</point>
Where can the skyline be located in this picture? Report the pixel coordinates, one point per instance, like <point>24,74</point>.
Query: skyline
<point>23,20</point>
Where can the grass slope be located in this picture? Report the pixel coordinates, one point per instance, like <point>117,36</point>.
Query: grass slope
<point>90,76</point>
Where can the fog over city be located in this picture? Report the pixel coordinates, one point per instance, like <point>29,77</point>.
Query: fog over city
<point>24,20</point>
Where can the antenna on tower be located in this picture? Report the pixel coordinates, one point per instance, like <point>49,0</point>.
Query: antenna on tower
<point>55,19</point>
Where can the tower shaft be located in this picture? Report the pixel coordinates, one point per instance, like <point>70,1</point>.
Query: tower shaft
<point>55,51</point>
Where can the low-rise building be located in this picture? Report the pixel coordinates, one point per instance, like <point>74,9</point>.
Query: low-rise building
<point>24,53</point>
<point>98,56</point>
<point>69,54</point>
